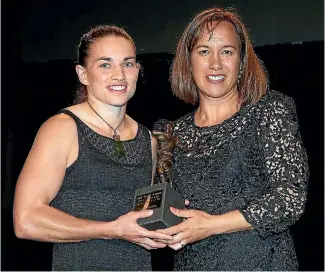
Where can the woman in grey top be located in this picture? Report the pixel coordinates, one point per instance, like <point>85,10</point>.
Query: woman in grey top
<point>77,185</point>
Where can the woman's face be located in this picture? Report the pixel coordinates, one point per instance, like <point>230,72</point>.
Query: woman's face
<point>111,71</point>
<point>215,62</point>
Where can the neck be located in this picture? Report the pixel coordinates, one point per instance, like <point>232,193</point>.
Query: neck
<point>215,111</point>
<point>111,114</point>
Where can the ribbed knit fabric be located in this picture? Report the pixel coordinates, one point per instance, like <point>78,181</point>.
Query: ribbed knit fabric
<point>100,186</point>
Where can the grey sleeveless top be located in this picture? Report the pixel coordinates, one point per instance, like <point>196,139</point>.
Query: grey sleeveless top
<point>100,186</point>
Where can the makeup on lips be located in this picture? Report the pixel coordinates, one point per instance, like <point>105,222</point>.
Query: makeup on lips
<point>216,78</point>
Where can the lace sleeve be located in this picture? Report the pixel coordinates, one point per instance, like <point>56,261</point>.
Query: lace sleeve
<point>286,169</point>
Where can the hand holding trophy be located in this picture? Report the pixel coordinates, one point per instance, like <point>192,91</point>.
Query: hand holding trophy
<point>161,196</point>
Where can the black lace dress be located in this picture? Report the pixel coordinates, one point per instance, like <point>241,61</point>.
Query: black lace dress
<point>253,162</point>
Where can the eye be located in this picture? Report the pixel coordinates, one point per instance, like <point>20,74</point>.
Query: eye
<point>203,52</point>
<point>128,64</point>
<point>105,65</point>
<point>227,52</point>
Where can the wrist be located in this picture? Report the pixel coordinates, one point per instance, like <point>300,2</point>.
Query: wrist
<point>219,224</point>
<point>232,221</point>
<point>108,230</point>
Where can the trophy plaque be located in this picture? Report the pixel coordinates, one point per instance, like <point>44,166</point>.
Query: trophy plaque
<point>161,196</point>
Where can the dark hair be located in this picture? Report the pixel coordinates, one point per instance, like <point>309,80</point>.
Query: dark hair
<point>86,42</point>
<point>253,82</point>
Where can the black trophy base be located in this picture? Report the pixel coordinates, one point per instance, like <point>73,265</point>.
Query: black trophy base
<point>159,198</point>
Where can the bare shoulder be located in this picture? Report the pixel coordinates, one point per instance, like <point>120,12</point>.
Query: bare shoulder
<point>57,130</point>
<point>58,124</point>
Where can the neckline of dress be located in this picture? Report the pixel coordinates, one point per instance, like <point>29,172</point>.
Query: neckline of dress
<point>224,122</point>
<point>103,136</point>
<point>241,111</point>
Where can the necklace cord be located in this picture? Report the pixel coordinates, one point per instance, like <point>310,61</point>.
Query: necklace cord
<point>116,136</point>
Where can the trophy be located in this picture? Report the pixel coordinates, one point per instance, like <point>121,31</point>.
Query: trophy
<point>161,196</point>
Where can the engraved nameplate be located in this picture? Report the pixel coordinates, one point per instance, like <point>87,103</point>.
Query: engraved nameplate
<point>150,200</point>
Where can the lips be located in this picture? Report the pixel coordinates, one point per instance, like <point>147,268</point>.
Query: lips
<point>216,78</point>
<point>117,88</point>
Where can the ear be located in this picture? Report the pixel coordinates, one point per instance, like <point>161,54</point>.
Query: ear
<point>82,74</point>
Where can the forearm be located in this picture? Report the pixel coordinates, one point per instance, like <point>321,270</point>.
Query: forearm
<point>48,224</point>
<point>232,221</point>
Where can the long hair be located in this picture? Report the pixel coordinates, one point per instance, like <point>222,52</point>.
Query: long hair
<point>84,48</point>
<point>253,82</point>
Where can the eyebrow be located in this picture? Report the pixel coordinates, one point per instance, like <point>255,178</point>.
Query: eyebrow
<point>111,59</point>
<point>224,46</point>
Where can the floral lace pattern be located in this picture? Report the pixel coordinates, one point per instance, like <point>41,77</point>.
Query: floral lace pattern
<point>253,162</point>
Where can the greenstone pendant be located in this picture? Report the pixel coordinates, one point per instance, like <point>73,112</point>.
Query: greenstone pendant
<point>119,148</point>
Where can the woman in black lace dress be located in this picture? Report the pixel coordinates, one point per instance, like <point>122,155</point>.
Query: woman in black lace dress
<point>77,186</point>
<point>242,164</point>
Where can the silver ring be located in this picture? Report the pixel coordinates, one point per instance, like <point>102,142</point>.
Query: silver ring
<point>182,243</point>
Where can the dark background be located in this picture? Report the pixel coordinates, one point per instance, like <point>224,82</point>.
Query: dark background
<point>50,29</point>
<point>34,88</point>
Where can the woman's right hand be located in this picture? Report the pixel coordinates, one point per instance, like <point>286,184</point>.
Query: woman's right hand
<point>129,230</point>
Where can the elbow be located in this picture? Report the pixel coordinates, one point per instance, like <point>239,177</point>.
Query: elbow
<point>295,215</point>
<point>297,207</point>
<point>298,214</point>
<point>301,208</point>
<point>21,227</point>
<point>20,233</point>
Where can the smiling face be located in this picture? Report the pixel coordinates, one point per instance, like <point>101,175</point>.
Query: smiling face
<point>111,71</point>
<point>215,61</point>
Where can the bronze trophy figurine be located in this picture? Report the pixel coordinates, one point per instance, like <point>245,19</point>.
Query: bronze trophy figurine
<point>166,144</point>
<point>161,196</point>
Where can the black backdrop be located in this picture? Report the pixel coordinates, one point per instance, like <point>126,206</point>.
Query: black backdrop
<point>35,91</point>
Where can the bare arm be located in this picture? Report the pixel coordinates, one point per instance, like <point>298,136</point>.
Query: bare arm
<point>56,147</point>
<point>200,225</point>
<point>40,181</point>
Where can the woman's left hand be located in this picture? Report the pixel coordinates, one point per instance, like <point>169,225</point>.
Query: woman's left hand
<point>197,226</point>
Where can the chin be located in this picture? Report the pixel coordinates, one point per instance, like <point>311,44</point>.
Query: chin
<point>118,101</point>
<point>118,104</point>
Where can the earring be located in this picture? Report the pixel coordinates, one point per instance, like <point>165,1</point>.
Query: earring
<point>239,75</point>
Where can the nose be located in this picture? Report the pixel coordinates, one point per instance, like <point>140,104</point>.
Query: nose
<point>118,74</point>
<point>215,62</point>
